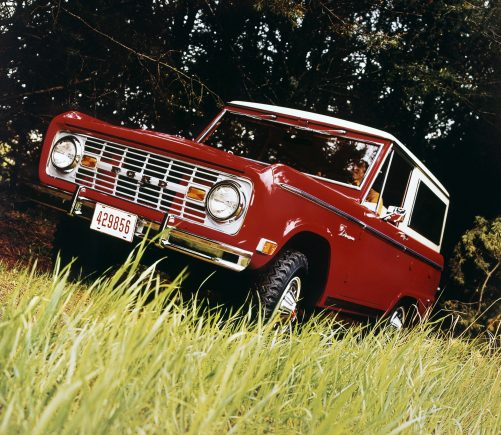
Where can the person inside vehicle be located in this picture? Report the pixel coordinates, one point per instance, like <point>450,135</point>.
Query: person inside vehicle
<point>358,171</point>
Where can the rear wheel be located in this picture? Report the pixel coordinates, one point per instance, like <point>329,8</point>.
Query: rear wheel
<point>403,316</point>
<point>280,285</point>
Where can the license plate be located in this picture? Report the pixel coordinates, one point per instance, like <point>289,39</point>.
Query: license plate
<point>114,222</point>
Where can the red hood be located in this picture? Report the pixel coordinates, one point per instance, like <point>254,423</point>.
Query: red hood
<point>175,145</point>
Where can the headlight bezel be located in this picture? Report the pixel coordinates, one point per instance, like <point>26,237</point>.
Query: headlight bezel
<point>78,153</point>
<point>237,213</point>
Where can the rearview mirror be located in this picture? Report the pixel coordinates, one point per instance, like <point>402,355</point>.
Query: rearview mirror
<point>394,214</point>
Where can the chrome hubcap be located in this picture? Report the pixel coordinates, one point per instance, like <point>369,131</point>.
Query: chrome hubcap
<point>287,305</point>
<point>396,320</point>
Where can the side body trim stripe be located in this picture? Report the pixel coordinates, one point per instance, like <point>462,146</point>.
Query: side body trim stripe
<point>357,221</point>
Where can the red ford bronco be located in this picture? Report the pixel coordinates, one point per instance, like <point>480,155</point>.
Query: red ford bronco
<point>326,212</point>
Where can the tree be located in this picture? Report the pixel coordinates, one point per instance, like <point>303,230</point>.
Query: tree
<point>476,260</point>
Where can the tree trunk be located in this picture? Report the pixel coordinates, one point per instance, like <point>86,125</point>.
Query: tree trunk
<point>484,285</point>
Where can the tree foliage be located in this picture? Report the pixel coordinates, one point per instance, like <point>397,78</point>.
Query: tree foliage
<point>475,272</point>
<point>476,259</point>
<point>425,71</point>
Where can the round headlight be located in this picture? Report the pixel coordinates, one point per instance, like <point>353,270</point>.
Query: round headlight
<point>65,153</point>
<point>224,201</point>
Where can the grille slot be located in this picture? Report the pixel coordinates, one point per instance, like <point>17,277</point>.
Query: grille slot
<point>177,174</point>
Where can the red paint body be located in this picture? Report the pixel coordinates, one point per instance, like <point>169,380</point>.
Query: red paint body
<point>365,270</point>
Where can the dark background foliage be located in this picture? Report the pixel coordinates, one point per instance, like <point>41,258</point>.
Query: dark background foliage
<point>426,71</point>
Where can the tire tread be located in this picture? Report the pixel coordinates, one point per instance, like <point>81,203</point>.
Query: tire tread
<point>273,280</point>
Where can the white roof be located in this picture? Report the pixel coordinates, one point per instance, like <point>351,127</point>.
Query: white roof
<point>348,125</point>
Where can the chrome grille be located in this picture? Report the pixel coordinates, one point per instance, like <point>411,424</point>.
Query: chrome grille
<point>175,174</point>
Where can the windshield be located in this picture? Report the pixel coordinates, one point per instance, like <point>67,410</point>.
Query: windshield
<point>335,158</point>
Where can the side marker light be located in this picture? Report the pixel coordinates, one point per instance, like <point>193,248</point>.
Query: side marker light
<point>267,247</point>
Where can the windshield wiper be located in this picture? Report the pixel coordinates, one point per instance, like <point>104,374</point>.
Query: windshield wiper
<point>272,117</point>
<point>328,132</point>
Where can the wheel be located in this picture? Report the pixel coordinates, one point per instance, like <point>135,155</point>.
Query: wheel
<point>280,284</point>
<point>397,318</point>
<point>403,317</point>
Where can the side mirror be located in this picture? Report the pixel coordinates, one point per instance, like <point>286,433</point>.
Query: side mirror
<point>394,215</point>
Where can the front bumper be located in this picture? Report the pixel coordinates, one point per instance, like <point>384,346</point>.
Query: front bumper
<point>168,236</point>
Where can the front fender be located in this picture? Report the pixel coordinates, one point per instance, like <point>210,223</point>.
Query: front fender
<point>279,215</point>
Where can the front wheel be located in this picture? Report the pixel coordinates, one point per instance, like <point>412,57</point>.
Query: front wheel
<point>280,285</point>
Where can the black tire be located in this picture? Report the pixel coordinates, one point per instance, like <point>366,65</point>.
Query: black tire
<point>277,285</point>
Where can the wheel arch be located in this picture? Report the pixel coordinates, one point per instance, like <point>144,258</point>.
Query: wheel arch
<point>318,252</point>
<point>406,300</point>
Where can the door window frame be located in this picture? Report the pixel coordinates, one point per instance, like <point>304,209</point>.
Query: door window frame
<point>416,177</point>
<point>388,158</point>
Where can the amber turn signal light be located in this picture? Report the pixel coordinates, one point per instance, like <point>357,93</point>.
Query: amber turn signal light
<point>88,161</point>
<point>196,193</point>
<point>266,247</point>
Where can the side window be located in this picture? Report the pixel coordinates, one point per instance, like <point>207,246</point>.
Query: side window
<point>390,185</point>
<point>396,182</point>
<point>428,214</point>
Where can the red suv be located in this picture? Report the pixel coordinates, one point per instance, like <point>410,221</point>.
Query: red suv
<point>321,211</point>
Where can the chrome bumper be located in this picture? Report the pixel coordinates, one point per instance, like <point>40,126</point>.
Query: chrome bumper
<point>221,254</point>
<point>208,250</point>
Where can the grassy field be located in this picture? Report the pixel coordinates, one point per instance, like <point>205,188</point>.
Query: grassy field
<point>108,358</point>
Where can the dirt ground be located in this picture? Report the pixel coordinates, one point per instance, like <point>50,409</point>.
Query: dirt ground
<point>26,232</point>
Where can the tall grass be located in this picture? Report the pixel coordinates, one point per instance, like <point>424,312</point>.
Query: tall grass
<point>109,358</point>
